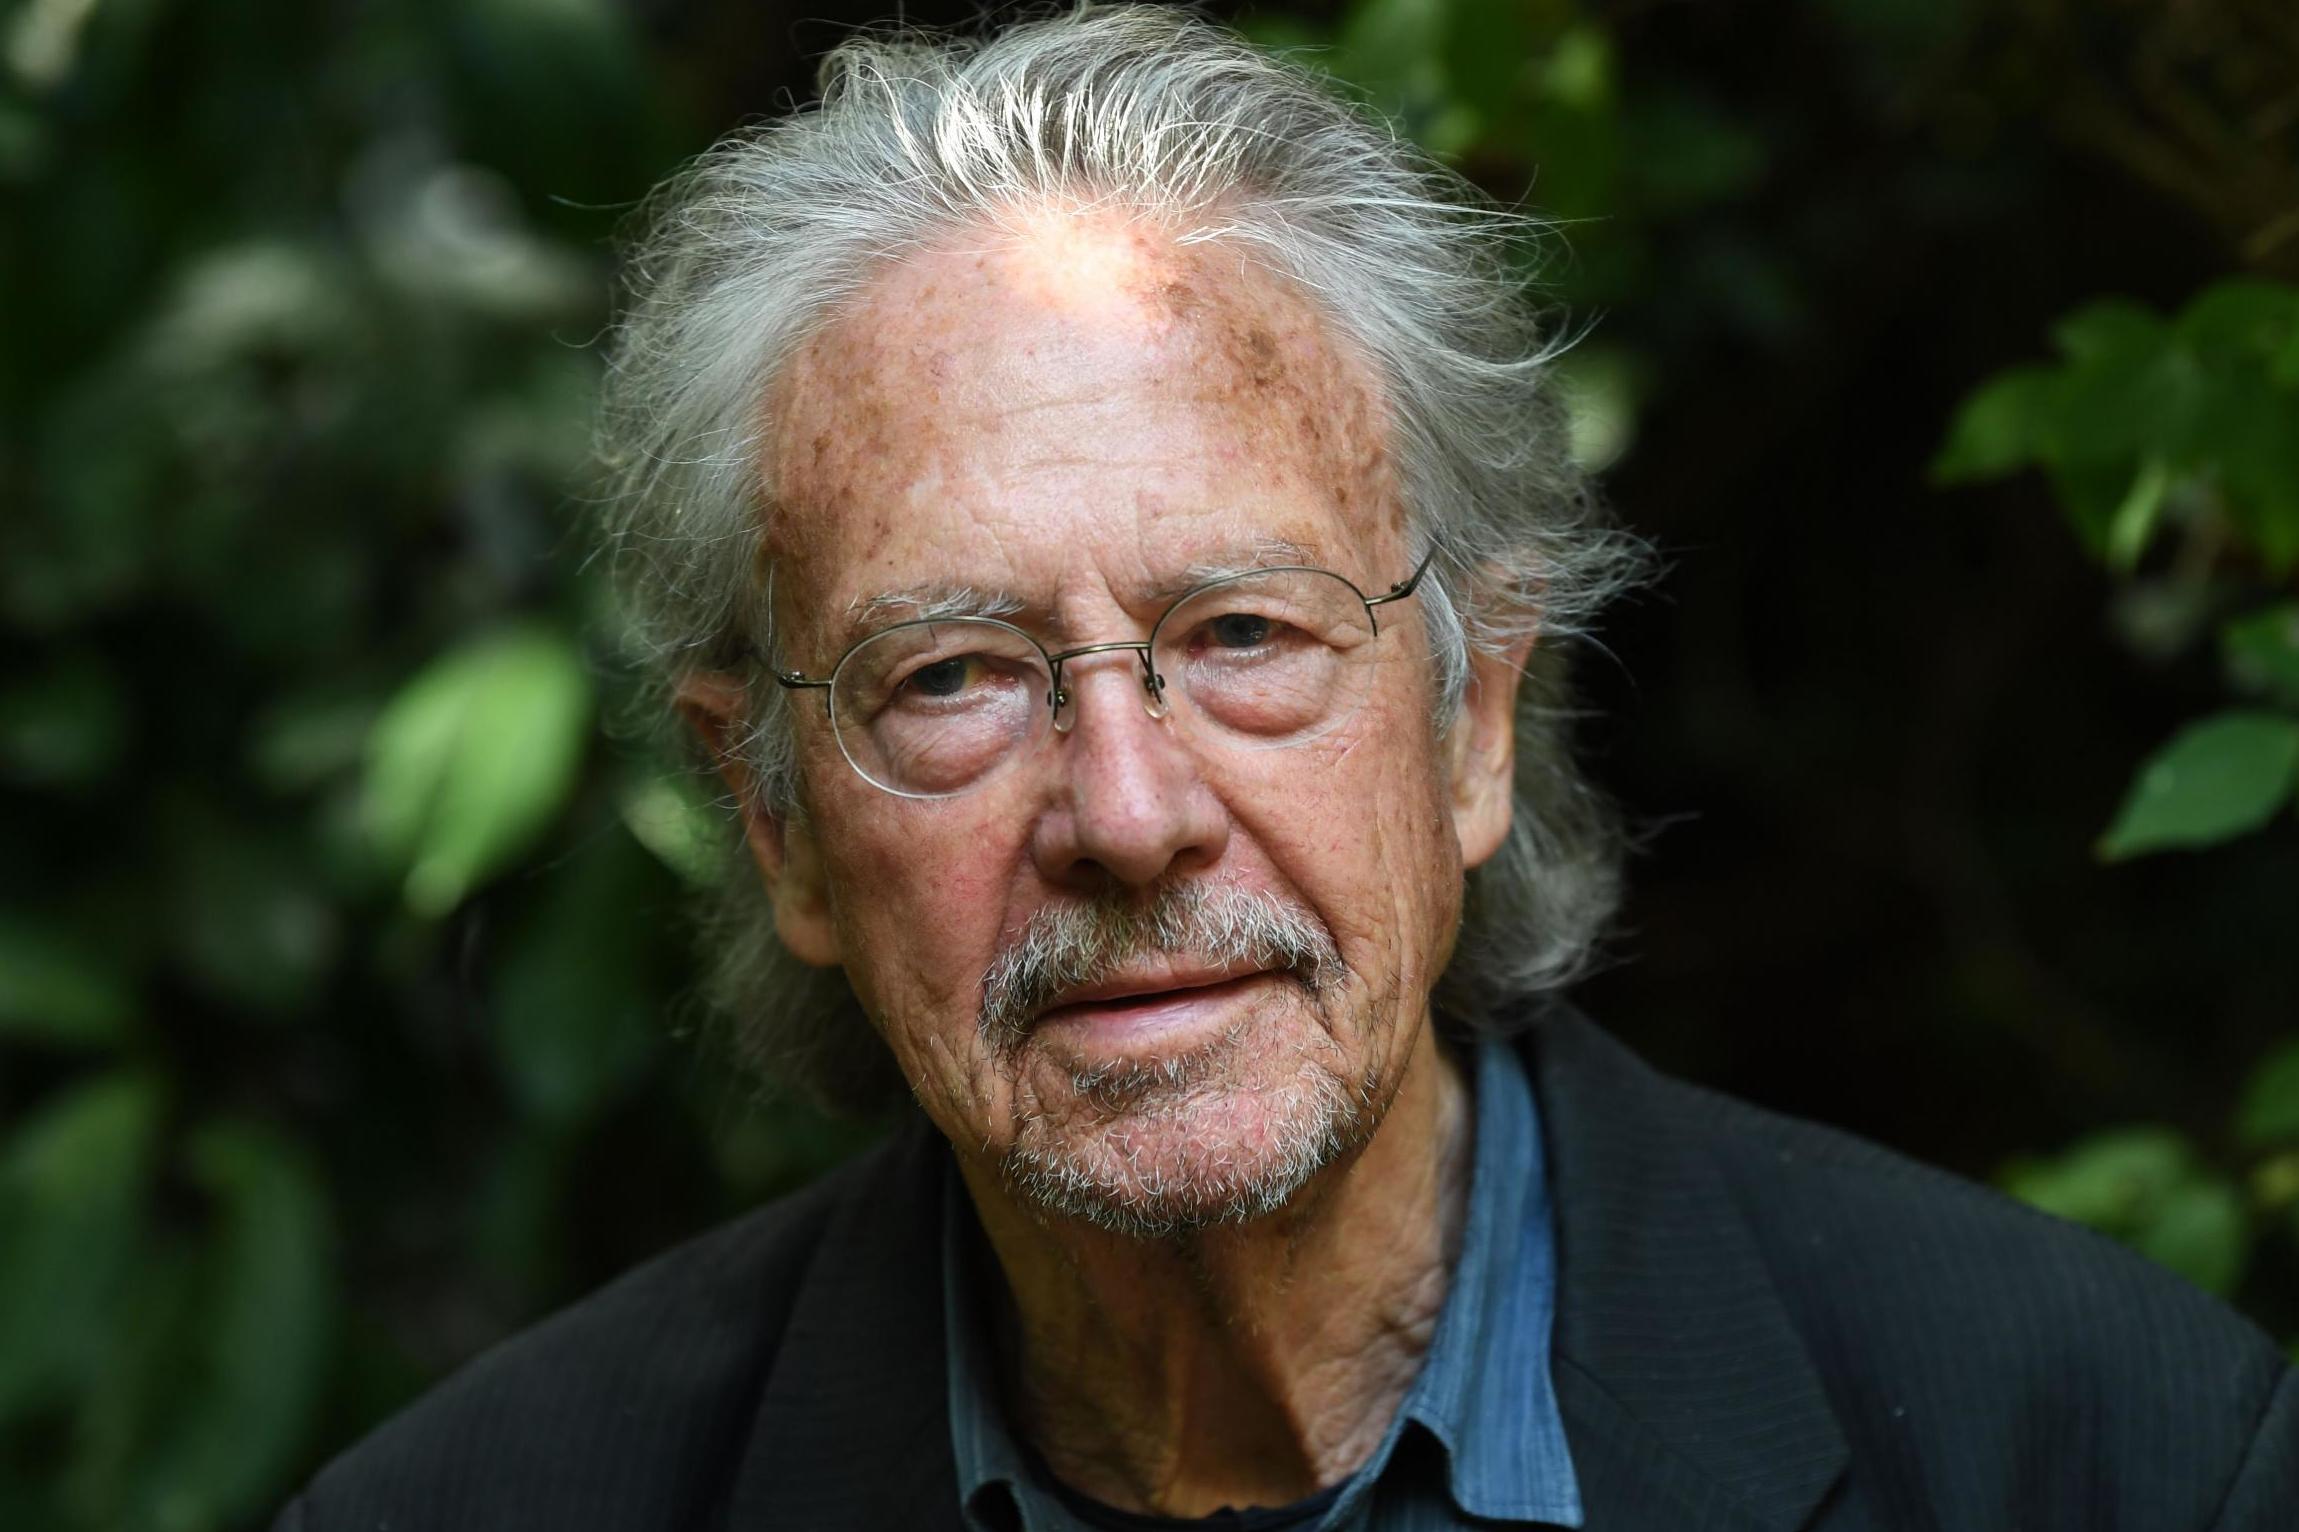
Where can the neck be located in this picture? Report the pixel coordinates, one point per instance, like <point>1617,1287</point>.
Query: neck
<point>1242,1365</point>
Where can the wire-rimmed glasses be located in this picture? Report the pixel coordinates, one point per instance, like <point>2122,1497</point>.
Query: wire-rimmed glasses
<point>1263,659</point>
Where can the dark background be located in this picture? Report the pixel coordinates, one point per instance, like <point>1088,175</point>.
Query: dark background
<point>303,301</point>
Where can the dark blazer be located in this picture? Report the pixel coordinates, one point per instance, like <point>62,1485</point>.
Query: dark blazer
<point>1762,1324</point>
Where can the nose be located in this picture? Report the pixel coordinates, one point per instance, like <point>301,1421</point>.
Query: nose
<point>1129,806</point>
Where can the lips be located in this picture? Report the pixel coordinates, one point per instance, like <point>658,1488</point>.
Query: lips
<point>1142,993</point>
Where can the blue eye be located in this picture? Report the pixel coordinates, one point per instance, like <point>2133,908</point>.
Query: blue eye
<point>1240,630</point>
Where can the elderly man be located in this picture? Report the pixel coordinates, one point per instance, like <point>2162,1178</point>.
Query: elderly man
<point>1097,499</point>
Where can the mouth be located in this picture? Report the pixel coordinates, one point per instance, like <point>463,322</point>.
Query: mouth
<point>1133,1009</point>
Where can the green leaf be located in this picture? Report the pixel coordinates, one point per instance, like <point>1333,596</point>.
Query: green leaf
<point>56,987</point>
<point>262,1323</point>
<point>1489,49</point>
<point>2217,779</point>
<point>2000,427</point>
<point>2201,1233</point>
<point>2120,405</point>
<point>2090,495</point>
<point>2270,1111</point>
<point>1393,49</point>
<point>2133,526</point>
<point>2112,327</point>
<point>2283,367</point>
<point>2261,651</point>
<point>474,758</point>
<point>2146,1187</point>
<point>2110,1181</point>
<point>667,814</point>
<point>71,1185</point>
<point>2248,434</point>
<point>573,1013</point>
<point>2241,319</point>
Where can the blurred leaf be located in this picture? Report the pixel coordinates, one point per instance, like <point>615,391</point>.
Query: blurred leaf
<point>2261,651</point>
<point>668,815</point>
<point>474,757</point>
<point>1998,428</point>
<point>2146,1187</point>
<point>55,987</point>
<point>573,1011</point>
<point>1394,51</point>
<point>244,915</point>
<point>2270,1111</point>
<point>2110,329</point>
<point>1579,72</point>
<point>2248,434</point>
<point>1600,391</point>
<point>2275,1182</point>
<point>2216,779</point>
<point>2243,319</point>
<point>2090,495</point>
<point>2283,367</point>
<point>2133,525</point>
<point>304,741</point>
<point>145,1372</point>
<point>71,1183</point>
<point>64,725</point>
<point>1489,49</point>
<point>2137,396</point>
<point>260,1339</point>
<point>2201,1233</point>
<point>2109,1181</point>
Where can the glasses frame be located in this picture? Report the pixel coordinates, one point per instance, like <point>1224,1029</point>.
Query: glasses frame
<point>1058,695</point>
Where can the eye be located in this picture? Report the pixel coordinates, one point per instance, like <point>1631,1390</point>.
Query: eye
<point>1239,630</point>
<point>943,678</point>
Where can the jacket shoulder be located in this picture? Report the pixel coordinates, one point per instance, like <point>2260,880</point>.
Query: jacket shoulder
<point>629,1408</point>
<point>1978,1351</point>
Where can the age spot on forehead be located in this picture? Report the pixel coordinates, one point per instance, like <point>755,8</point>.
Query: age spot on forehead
<point>951,349</point>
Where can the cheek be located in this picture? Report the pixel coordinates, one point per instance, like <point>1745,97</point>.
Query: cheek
<point>1360,829</point>
<point>918,900</point>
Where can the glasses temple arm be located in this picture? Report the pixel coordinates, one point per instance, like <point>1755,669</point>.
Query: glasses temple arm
<point>1406,586</point>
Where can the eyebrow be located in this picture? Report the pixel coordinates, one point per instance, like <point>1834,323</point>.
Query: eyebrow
<point>933,600</point>
<point>929,601</point>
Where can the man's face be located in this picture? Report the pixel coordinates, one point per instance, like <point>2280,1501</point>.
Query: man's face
<point>1076,413</point>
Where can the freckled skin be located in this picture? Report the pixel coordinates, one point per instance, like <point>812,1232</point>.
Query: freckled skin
<point>1076,410</point>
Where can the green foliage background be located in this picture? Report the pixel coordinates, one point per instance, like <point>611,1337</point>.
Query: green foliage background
<point>340,956</point>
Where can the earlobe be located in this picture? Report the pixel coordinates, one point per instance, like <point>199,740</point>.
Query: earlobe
<point>1484,752</point>
<point>715,706</point>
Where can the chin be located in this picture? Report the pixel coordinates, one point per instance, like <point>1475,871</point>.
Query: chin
<point>1163,1147</point>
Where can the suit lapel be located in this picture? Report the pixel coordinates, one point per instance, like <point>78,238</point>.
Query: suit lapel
<point>1689,1399</point>
<point>853,1427</point>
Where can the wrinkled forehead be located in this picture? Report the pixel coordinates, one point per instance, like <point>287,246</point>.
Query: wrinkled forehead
<point>1064,379</point>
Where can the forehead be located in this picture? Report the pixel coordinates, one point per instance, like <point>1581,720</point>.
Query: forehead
<point>1063,395</point>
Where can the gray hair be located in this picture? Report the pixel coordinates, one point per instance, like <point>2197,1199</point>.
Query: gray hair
<point>756,247</point>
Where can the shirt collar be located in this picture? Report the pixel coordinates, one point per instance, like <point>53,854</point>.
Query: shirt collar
<point>1484,1390</point>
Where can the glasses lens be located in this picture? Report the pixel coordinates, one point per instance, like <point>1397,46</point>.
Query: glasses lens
<point>927,709</point>
<point>1271,658</point>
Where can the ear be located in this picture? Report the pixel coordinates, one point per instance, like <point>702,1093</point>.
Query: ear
<point>1483,747</point>
<point>716,706</point>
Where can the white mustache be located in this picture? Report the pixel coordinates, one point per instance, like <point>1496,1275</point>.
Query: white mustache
<point>1068,946</point>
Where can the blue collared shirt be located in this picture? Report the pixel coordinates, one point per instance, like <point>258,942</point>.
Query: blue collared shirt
<point>1483,1396</point>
